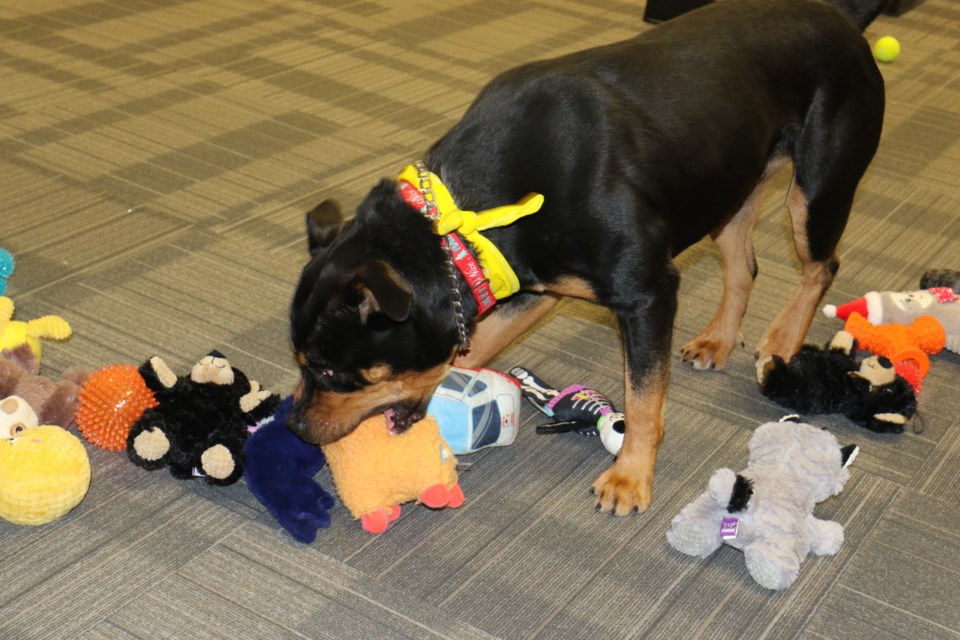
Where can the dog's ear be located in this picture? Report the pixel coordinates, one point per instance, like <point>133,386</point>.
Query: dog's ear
<point>383,290</point>
<point>324,222</point>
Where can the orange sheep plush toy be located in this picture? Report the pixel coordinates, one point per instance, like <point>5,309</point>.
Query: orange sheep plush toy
<point>908,347</point>
<point>376,470</point>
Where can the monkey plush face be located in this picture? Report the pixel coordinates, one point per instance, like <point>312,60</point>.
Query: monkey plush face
<point>213,369</point>
<point>877,370</point>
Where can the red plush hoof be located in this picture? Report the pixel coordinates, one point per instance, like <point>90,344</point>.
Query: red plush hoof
<point>378,521</point>
<point>435,497</point>
<point>456,497</point>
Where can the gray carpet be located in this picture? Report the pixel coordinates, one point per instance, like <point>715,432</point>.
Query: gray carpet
<point>156,158</point>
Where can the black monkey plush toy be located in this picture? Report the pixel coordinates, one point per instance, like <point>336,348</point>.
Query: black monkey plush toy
<point>202,421</point>
<point>833,380</point>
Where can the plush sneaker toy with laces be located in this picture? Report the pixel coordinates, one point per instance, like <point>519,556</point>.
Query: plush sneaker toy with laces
<point>576,408</point>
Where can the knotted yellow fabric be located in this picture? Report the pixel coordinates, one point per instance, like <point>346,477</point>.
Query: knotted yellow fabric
<point>469,224</point>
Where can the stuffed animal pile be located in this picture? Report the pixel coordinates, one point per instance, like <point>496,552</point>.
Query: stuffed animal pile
<point>766,510</point>
<point>374,470</point>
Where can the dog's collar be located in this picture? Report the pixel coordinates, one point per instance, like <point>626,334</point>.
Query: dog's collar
<point>489,275</point>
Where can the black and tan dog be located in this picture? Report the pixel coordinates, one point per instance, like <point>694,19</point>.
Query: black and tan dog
<point>639,148</point>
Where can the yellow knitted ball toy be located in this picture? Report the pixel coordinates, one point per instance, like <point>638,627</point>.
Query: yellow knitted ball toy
<point>44,473</point>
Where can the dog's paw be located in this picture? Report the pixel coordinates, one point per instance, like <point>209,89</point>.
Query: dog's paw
<point>622,494</point>
<point>706,352</point>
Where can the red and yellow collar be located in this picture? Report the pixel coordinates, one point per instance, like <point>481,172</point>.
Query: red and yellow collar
<point>489,276</point>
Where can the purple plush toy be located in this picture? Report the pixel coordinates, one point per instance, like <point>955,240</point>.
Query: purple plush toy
<point>279,470</point>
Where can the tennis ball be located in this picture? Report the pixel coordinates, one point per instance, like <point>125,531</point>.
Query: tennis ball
<point>886,49</point>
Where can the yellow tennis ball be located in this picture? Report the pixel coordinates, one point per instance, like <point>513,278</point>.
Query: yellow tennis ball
<point>886,49</point>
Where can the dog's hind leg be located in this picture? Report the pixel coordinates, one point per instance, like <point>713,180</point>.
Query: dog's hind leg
<point>785,334</point>
<point>734,239</point>
<point>830,157</point>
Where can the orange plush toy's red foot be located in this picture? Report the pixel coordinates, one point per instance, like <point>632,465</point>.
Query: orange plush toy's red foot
<point>438,496</point>
<point>379,520</point>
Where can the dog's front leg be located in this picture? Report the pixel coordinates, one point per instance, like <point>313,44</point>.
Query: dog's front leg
<point>627,486</point>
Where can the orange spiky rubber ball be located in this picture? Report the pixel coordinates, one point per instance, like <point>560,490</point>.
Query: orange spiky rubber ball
<point>111,400</point>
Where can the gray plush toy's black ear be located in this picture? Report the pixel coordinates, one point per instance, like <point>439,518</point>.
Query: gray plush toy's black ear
<point>848,454</point>
<point>740,497</point>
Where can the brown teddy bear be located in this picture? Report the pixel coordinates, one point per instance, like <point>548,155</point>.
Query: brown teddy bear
<point>53,402</point>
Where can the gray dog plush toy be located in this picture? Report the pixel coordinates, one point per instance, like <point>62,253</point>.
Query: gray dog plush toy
<point>767,509</point>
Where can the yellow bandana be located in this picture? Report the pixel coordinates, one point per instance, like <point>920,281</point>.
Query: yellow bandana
<point>469,224</point>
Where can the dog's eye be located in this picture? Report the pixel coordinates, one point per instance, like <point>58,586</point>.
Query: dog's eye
<point>326,373</point>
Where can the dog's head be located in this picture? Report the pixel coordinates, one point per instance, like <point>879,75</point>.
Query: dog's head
<point>371,319</point>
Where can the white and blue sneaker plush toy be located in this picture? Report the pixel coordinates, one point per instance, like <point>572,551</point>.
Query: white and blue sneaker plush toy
<point>476,408</point>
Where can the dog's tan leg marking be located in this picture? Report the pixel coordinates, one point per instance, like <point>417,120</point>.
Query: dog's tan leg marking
<point>627,486</point>
<point>499,328</point>
<point>786,333</point>
<point>713,346</point>
<point>572,287</point>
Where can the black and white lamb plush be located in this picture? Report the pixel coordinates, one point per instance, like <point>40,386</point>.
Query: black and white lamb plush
<point>767,509</point>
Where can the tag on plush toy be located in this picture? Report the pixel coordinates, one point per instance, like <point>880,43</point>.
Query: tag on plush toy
<point>728,528</point>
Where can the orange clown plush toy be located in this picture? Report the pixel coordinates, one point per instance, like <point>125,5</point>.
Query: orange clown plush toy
<point>376,470</point>
<point>908,347</point>
<point>903,307</point>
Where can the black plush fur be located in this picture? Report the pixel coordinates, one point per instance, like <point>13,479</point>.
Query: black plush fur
<point>817,381</point>
<point>740,498</point>
<point>640,148</point>
<point>194,417</point>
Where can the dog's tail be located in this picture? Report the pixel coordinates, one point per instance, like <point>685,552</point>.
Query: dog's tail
<point>860,12</point>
